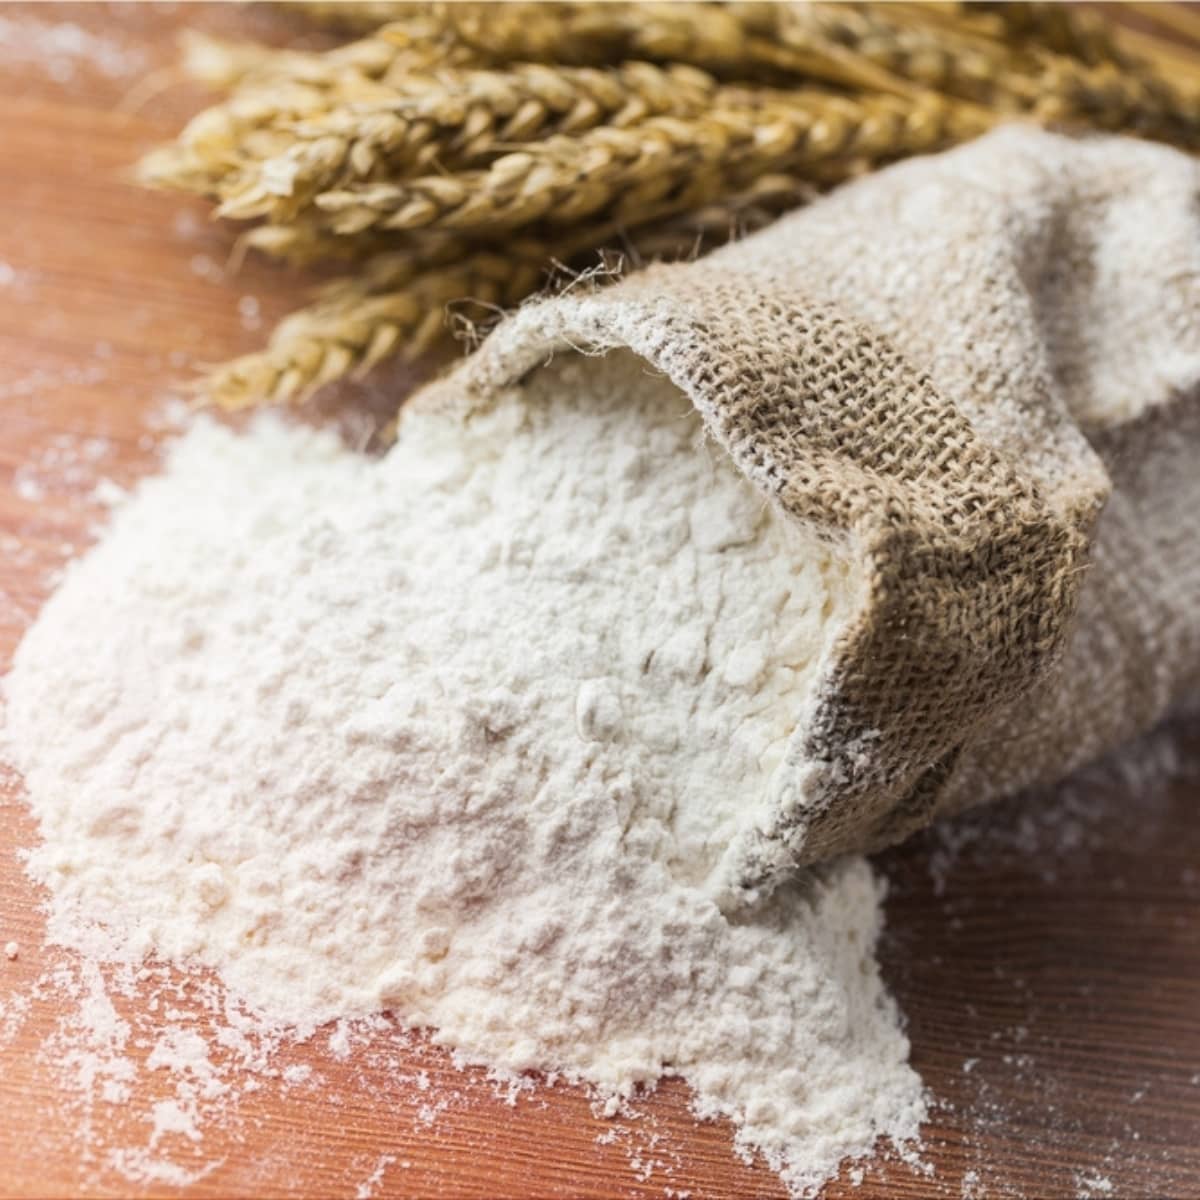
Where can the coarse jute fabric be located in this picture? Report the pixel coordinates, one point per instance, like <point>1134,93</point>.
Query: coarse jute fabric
<point>979,374</point>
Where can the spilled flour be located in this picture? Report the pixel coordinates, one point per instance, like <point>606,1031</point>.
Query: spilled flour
<point>462,734</point>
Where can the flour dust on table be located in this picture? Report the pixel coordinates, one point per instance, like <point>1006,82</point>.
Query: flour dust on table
<point>463,733</point>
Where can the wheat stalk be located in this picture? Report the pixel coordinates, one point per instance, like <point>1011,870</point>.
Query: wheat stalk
<point>652,129</point>
<point>254,123</point>
<point>458,118</point>
<point>354,16</point>
<point>277,88</point>
<point>414,44</point>
<point>764,197</point>
<point>354,326</point>
<point>1106,97</point>
<point>676,116</point>
<point>282,94</point>
<point>733,41</point>
<point>952,61</point>
<point>303,123</point>
<point>1052,62</point>
<point>301,244</point>
<point>566,179</point>
<point>1065,29</point>
<point>1168,58</point>
<point>397,302</point>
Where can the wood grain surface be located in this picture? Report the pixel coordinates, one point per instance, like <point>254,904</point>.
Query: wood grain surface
<point>1046,954</point>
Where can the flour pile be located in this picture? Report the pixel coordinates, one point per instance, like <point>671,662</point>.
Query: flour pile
<point>463,733</point>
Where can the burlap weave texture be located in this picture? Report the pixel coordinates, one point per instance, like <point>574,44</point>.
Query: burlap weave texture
<point>979,373</point>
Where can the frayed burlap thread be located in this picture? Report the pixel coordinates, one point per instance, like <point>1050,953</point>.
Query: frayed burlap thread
<point>947,369</point>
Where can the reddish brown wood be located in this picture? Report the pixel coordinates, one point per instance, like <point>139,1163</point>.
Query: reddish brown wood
<point>1053,994</point>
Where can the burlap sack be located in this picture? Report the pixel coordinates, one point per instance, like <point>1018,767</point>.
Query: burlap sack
<point>981,373</point>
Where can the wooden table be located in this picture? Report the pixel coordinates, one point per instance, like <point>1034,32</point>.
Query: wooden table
<point>1047,955</point>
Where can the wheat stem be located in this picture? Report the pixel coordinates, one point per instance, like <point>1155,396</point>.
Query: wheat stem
<point>397,302</point>
<point>461,118</point>
<point>1107,97</point>
<point>414,44</point>
<point>1066,29</point>
<point>350,330</point>
<point>354,16</point>
<point>566,179</point>
<point>951,61</point>
<point>460,150</point>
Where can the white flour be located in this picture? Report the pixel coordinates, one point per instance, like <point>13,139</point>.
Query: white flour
<point>463,733</point>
